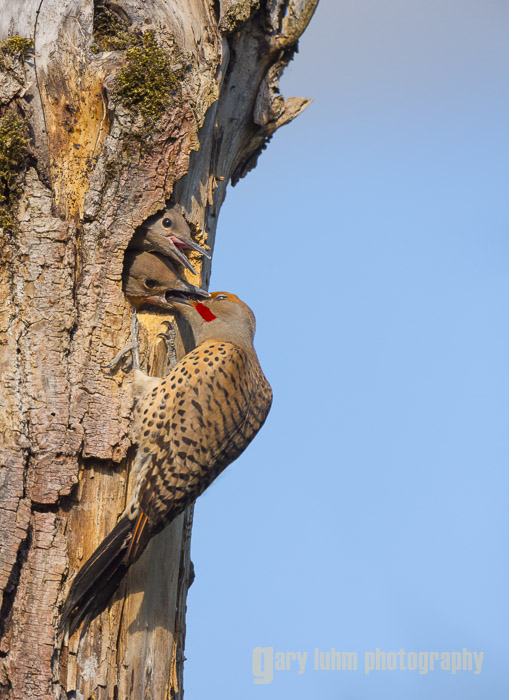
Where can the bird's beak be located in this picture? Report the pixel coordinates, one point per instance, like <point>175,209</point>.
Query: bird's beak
<point>181,243</point>
<point>177,253</point>
<point>185,297</point>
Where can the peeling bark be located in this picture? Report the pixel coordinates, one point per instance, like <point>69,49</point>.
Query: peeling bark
<point>100,161</point>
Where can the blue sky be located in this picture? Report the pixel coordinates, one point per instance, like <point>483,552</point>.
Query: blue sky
<point>371,242</point>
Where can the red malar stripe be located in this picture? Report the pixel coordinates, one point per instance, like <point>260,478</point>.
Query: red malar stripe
<point>204,312</point>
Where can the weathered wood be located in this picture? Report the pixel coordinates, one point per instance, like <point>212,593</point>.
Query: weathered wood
<point>118,108</point>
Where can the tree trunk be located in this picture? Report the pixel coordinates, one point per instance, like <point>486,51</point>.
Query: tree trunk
<point>116,109</point>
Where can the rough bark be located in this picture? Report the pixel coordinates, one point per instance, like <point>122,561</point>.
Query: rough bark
<point>98,153</point>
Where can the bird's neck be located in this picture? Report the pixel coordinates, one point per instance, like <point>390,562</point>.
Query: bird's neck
<point>243,342</point>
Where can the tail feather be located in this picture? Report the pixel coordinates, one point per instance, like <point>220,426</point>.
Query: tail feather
<point>100,576</point>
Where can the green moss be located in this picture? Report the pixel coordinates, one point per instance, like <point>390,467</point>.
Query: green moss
<point>16,46</point>
<point>234,14</point>
<point>152,74</point>
<point>13,49</point>
<point>150,79</point>
<point>112,32</point>
<point>13,150</point>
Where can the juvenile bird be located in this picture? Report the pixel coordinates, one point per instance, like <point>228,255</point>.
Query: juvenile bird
<point>150,278</point>
<point>169,234</point>
<point>189,426</point>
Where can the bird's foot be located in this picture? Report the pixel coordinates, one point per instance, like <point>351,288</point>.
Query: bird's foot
<point>169,340</point>
<point>169,337</point>
<point>132,347</point>
<point>134,340</point>
<point>118,357</point>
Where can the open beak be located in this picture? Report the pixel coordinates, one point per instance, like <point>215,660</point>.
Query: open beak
<point>185,297</point>
<point>173,246</point>
<point>177,253</point>
<point>180,243</point>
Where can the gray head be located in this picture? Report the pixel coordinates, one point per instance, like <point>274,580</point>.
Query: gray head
<point>168,234</point>
<point>223,316</point>
<point>150,278</point>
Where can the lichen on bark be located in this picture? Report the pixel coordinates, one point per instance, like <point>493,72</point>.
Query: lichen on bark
<point>15,48</point>
<point>151,78</point>
<point>13,151</point>
<point>111,30</point>
<point>13,54</point>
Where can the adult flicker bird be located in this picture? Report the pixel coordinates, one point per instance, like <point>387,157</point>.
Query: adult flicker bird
<point>168,234</point>
<point>189,426</point>
<point>150,278</point>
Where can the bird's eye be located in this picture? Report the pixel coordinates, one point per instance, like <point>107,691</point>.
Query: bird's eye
<point>220,297</point>
<point>150,283</point>
<point>167,223</point>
